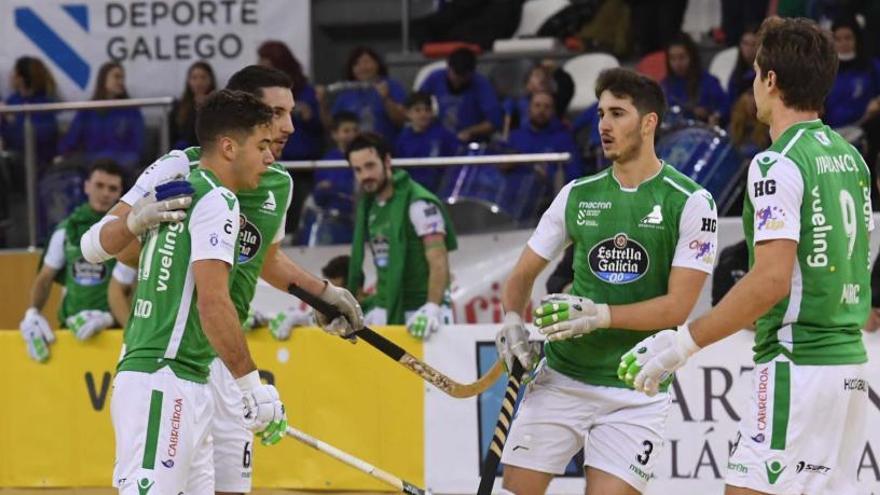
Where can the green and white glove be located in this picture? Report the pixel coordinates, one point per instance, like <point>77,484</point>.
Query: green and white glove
<point>563,316</point>
<point>651,364</point>
<point>282,324</point>
<point>263,410</point>
<point>88,322</point>
<point>425,321</point>
<point>255,319</point>
<point>37,335</point>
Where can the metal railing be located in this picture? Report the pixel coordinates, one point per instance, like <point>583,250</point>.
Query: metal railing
<point>440,161</point>
<point>30,157</point>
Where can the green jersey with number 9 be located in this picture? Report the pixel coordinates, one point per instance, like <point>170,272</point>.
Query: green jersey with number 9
<point>813,187</point>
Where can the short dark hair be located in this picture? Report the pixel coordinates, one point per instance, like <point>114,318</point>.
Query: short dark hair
<point>367,140</point>
<point>108,166</point>
<point>803,58</point>
<point>342,117</point>
<point>253,78</point>
<point>418,98</point>
<point>463,61</point>
<point>646,95</point>
<point>230,112</point>
<point>336,267</point>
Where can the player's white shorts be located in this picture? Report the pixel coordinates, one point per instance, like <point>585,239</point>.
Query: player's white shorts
<point>620,430</point>
<point>162,426</point>
<point>803,430</point>
<point>233,442</point>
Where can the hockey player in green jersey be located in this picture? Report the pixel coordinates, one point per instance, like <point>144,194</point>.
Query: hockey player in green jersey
<point>183,316</point>
<point>807,218</point>
<point>644,242</point>
<point>262,216</point>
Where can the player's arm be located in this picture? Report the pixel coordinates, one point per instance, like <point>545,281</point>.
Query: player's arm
<point>427,221</point>
<point>438,266</point>
<point>119,292</point>
<point>775,189</point>
<point>34,327</point>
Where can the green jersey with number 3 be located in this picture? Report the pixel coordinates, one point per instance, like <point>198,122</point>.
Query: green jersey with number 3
<point>813,187</point>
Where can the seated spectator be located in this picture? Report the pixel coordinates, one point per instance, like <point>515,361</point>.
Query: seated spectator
<point>748,134</point>
<point>687,85</point>
<point>423,138</point>
<point>334,187</point>
<point>857,82</point>
<point>31,83</point>
<point>307,141</point>
<point>84,307</point>
<point>586,130</point>
<point>516,110</point>
<point>545,134</point>
<point>200,82</point>
<point>744,71</point>
<point>467,102</point>
<point>115,133</point>
<point>377,100</point>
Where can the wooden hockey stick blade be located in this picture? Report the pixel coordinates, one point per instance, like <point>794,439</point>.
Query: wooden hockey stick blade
<point>403,486</point>
<point>502,428</point>
<point>408,361</point>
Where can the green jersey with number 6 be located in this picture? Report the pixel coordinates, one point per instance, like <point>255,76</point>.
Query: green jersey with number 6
<point>165,328</point>
<point>263,212</point>
<point>812,187</point>
<point>626,243</point>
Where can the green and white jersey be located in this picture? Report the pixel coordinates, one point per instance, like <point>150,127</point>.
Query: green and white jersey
<point>626,241</point>
<point>263,214</point>
<point>165,329</point>
<point>813,187</point>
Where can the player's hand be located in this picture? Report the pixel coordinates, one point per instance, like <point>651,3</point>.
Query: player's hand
<point>88,322</point>
<point>352,318</point>
<point>563,316</point>
<point>282,324</point>
<point>512,342</point>
<point>37,335</point>
<point>255,319</point>
<point>652,362</point>
<point>166,203</point>
<point>425,321</point>
<point>263,410</point>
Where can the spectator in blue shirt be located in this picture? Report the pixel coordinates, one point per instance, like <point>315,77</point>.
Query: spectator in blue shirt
<point>200,82</point>
<point>516,110</point>
<point>116,133</point>
<point>857,82</point>
<point>374,97</point>
<point>687,85</point>
<point>544,133</point>
<point>334,187</point>
<point>31,83</point>
<point>468,103</point>
<point>424,137</point>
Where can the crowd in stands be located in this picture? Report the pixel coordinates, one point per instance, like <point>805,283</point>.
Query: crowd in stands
<point>454,111</point>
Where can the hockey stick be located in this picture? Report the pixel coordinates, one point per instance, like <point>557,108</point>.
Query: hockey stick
<point>502,427</point>
<point>403,486</point>
<point>408,361</point>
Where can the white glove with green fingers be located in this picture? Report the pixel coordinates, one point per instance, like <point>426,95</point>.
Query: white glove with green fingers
<point>88,322</point>
<point>255,319</point>
<point>425,321</point>
<point>282,324</point>
<point>653,361</point>
<point>563,316</point>
<point>263,410</point>
<point>512,343</point>
<point>37,335</point>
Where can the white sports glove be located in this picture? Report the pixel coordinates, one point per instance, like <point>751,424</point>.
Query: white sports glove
<point>282,324</point>
<point>425,321</point>
<point>88,322</point>
<point>37,335</point>
<point>263,411</point>
<point>563,316</point>
<point>352,318</point>
<point>652,362</point>
<point>512,342</point>
<point>149,211</point>
<point>255,319</point>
